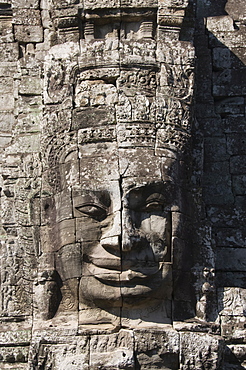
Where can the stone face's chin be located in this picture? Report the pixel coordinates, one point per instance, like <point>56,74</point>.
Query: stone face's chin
<point>109,287</point>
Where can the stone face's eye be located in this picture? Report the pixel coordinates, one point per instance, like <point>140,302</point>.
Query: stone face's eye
<point>153,206</point>
<point>154,203</point>
<point>147,198</point>
<point>93,210</point>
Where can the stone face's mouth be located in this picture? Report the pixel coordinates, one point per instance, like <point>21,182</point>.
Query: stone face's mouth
<point>105,285</point>
<point>111,264</point>
<point>113,275</point>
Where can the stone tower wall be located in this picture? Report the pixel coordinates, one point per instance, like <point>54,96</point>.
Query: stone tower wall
<point>167,76</point>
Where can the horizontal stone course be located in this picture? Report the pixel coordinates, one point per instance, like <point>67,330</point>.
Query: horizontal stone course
<point>122,184</point>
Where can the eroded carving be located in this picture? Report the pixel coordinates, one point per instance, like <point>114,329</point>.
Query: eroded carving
<point>107,251</point>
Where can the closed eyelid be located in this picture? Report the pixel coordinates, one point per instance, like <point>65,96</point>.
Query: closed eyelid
<point>92,203</point>
<point>155,197</point>
<point>90,198</point>
<point>96,211</point>
<point>155,202</point>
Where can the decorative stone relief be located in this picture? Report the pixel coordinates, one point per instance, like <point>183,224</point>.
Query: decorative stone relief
<point>122,174</point>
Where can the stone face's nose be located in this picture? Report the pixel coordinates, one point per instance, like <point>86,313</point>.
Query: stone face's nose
<point>129,236</point>
<point>120,234</point>
<point>110,239</point>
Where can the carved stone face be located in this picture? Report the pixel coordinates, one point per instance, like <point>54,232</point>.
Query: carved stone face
<point>121,220</point>
<point>133,242</point>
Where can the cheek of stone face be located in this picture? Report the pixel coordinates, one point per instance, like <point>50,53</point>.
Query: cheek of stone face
<point>87,230</point>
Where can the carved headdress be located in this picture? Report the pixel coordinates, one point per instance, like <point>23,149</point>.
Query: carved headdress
<point>123,86</point>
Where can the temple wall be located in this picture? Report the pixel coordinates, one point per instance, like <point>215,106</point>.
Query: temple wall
<point>220,113</point>
<point>131,94</point>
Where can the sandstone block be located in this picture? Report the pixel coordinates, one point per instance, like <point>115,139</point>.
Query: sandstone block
<point>6,121</point>
<point>239,182</point>
<point>30,86</point>
<point>26,17</point>
<point>25,33</point>
<point>198,353</point>
<point>231,259</point>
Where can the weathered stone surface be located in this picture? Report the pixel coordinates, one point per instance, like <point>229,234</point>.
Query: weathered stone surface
<point>28,17</point>
<point>232,303</point>
<point>238,164</point>
<point>30,86</point>
<point>23,4</point>
<point>233,328</point>
<point>231,259</point>
<point>237,13</point>
<point>239,184</point>
<point>201,351</point>
<point>235,356</point>
<point>217,183</point>
<point>225,237</point>
<point>7,121</point>
<point>122,184</point>
<point>157,349</point>
<point>112,351</point>
<point>27,33</point>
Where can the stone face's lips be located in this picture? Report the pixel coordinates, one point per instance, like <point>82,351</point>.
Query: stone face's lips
<point>119,265</point>
<point>113,264</point>
<point>122,276</point>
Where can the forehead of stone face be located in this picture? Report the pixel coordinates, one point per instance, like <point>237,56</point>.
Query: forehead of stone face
<point>96,165</point>
<point>139,162</point>
<point>139,166</point>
